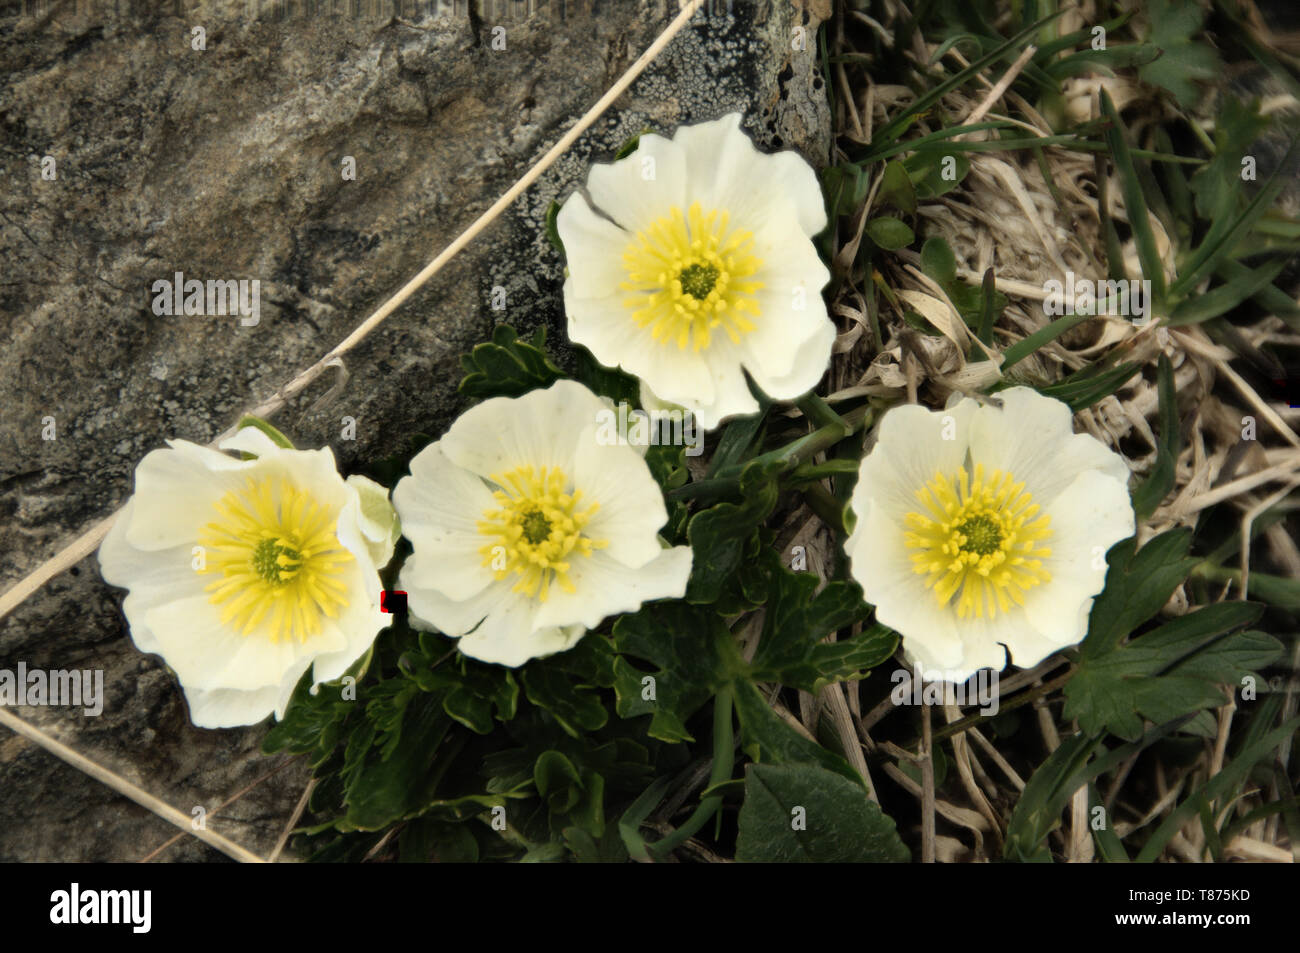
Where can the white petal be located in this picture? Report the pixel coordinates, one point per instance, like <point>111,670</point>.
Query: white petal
<point>981,647</point>
<point>791,308</point>
<point>910,448</point>
<point>539,429</point>
<point>315,471</point>
<point>487,647</point>
<point>605,327</point>
<point>251,440</point>
<point>728,394</point>
<point>879,562</point>
<point>440,505</point>
<point>593,248</point>
<point>358,636</point>
<point>603,587</point>
<point>153,577</point>
<point>652,402</point>
<point>458,617</point>
<point>638,190</point>
<point>812,357</point>
<point>631,505</point>
<point>1032,438</point>
<point>799,180</point>
<point>229,708</point>
<point>1087,519</point>
<point>207,654</point>
<point>182,485</point>
<point>358,623</point>
<point>724,170</point>
<point>1031,645</point>
<point>498,625</point>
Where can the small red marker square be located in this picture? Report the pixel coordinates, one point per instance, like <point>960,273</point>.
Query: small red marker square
<point>392,601</point>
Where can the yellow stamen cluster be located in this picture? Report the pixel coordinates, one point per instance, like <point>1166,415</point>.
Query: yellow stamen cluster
<point>537,529</point>
<point>276,551</point>
<point>690,274</point>
<point>978,540</point>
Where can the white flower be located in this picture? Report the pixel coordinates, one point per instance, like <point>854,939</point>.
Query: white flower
<point>242,573</point>
<point>698,263</point>
<point>979,528</point>
<point>529,530</point>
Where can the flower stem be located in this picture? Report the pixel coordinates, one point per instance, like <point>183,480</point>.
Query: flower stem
<point>724,744</point>
<point>819,412</point>
<point>809,445</point>
<point>821,502</point>
<point>812,472</point>
<point>727,480</point>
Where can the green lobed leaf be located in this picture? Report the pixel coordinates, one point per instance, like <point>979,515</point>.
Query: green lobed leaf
<point>717,535</point>
<point>1184,61</point>
<point>508,366</point>
<point>693,654</point>
<point>572,796</point>
<point>312,724</point>
<point>381,789</point>
<point>798,618</point>
<point>1171,671</point>
<point>576,711</point>
<point>1217,184</point>
<point>1138,584</point>
<point>838,822</point>
<point>603,381</point>
<point>767,738</point>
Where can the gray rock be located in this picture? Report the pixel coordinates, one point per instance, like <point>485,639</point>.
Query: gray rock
<point>226,163</point>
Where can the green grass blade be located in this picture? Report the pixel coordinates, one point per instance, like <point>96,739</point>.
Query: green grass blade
<point>1157,485</point>
<point>1222,783</point>
<point>1022,349</point>
<point>1134,201</point>
<point>1225,297</point>
<point>890,130</point>
<point>1225,232</point>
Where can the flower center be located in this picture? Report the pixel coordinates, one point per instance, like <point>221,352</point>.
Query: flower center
<point>978,540</point>
<point>537,529</point>
<point>276,550</point>
<point>698,280</point>
<point>690,275</point>
<point>267,562</point>
<point>981,535</point>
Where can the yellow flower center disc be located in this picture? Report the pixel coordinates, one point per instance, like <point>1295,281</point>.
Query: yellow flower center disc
<point>536,530</point>
<point>276,550</point>
<point>978,540</point>
<point>689,274</point>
